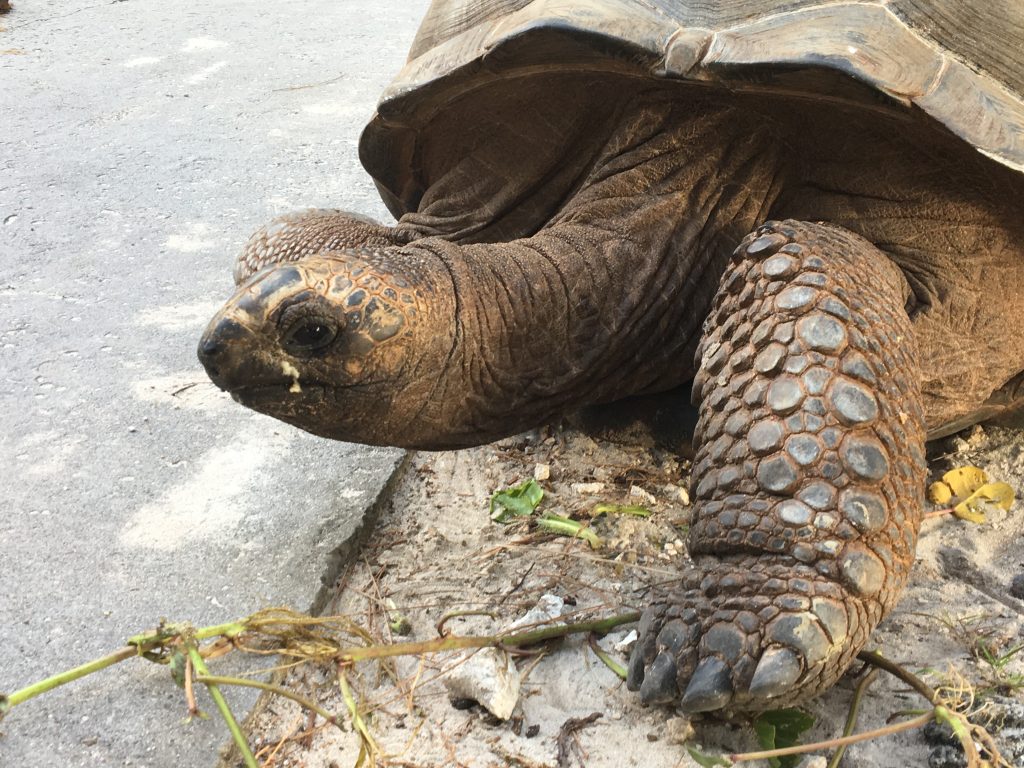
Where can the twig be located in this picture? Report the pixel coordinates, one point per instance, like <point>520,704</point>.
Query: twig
<point>455,614</point>
<point>568,729</point>
<point>875,659</point>
<point>309,85</point>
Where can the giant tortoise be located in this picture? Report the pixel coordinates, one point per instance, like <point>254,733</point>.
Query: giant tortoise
<point>815,212</point>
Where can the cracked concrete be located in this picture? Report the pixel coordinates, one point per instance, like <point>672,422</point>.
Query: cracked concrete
<point>142,142</point>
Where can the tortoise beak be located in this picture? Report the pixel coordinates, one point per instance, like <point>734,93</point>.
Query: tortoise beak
<point>232,352</point>
<point>219,349</point>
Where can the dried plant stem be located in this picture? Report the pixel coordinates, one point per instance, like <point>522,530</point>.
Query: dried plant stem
<point>851,717</point>
<point>800,749</point>
<point>190,694</point>
<point>367,743</point>
<point>453,642</point>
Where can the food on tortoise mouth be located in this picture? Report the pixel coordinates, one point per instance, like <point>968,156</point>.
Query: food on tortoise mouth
<point>793,205</point>
<point>290,370</point>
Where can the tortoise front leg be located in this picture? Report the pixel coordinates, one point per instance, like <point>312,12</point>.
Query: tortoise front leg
<point>807,480</point>
<point>295,236</point>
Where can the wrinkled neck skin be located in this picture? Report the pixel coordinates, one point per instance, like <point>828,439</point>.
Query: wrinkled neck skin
<point>605,300</point>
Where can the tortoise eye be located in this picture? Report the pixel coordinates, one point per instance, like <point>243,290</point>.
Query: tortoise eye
<point>309,336</point>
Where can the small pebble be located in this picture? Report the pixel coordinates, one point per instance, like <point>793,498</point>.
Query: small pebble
<point>542,472</point>
<point>585,488</point>
<point>678,730</point>
<point>626,642</point>
<point>636,492</point>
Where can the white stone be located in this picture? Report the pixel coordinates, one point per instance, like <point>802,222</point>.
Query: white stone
<point>487,676</point>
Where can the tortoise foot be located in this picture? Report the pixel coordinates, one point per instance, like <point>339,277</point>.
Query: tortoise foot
<point>807,479</point>
<point>749,634</point>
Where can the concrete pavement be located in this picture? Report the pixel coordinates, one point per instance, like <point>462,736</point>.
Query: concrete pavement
<point>140,142</point>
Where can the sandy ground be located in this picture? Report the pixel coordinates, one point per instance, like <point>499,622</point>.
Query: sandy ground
<point>436,551</point>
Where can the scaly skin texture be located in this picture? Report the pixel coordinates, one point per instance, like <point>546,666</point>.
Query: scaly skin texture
<point>294,236</point>
<point>808,476</point>
<point>511,334</point>
<point>509,298</point>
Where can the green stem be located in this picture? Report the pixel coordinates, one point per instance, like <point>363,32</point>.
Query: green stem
<point>151,639</point>
<point>137,645</point>
<point>31,691</point>
<point>609,662</point>
<point>284,692</point>
<point>222,705</point>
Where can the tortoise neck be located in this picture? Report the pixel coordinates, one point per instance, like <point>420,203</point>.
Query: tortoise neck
<point>608,299</point>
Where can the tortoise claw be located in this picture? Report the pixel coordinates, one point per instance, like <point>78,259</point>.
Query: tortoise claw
<point>659,685</point>
<point>710,687</point>
<point>776,673</point>
<point>635,669</point>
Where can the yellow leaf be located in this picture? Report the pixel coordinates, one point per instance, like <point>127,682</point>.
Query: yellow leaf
<point>963,481</point>
<point>939,493</point>
<point>986,497</point>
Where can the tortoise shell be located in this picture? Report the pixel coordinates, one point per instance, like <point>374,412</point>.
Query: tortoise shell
<point>958,62</point>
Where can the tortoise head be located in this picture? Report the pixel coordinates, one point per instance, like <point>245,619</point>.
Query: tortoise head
<point>334,344</point>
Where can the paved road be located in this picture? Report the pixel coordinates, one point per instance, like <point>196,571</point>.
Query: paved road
<point>140,142</point>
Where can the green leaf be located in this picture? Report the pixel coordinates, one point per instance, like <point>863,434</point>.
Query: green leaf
<point>708,761</point>
<point>177,665</point>
<point>781,728</point>
<point>518,501</point>
<point>620,509</point>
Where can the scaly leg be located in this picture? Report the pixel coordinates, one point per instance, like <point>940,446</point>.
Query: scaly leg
<point>808,477</point>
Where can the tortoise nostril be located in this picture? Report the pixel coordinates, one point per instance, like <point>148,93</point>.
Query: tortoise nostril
<point>208,348</point>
